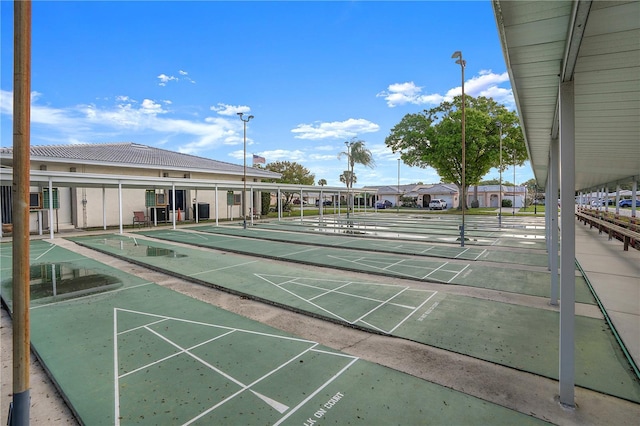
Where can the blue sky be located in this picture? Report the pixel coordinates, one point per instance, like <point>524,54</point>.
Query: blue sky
<point>174,75</point>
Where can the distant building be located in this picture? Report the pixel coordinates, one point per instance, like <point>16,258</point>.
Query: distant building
<point>488,195</point>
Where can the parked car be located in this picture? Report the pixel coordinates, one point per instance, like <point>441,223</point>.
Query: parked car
<point>627,203</point>
<point>297,201</point>
<point>324,203</point>
<point>384,204</point>
<point>437,204</point>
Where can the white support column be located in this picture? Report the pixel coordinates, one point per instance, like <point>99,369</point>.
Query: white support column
<point>120,205</point>
<point>173,191</point>
<point>252,210</point>
<point>553,221</point>
<point>568,246</point>
<point>50,208</point>
<point>104,208</point>
<point>547,216</point>
<point>301,207</point>
<point>279,205</point>
<point>216,202</point>
<point>634,194</point>
<point>606,199</point>
<point>617,199</point>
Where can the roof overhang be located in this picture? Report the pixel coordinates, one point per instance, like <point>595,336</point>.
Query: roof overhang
<point>93,180</point>
<point>597,45</point>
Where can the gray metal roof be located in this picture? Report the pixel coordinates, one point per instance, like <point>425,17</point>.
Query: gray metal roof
<point>597,45</point>
<point>133,155</point>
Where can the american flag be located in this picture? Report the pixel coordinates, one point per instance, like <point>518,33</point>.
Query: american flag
<point>258,160</point>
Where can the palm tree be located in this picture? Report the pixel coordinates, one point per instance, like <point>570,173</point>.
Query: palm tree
<point>346,177</point>
<point>356,152</point>
<point>322,182</point>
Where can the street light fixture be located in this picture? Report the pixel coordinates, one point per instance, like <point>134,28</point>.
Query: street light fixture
<point>244,174</point>
<point>463,63</point>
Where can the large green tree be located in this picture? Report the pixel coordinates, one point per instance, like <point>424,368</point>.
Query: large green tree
<point>434,138</point>
<point>356,153</point>
<point>291,172</point>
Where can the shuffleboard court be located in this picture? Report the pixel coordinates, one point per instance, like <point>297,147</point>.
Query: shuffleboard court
<point>147,355</point>
<point>454,271</point>
<point>484,329</point>
<point>524,257</point>
<point>428,228</point>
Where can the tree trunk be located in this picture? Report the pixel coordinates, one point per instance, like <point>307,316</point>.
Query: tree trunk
<point>462,197</point>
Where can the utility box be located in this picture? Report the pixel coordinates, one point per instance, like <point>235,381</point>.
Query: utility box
<point>203,211</point>
<point>161,212</point>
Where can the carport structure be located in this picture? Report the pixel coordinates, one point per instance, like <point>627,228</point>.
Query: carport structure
<point>49,179</point>
<point>574,68</point>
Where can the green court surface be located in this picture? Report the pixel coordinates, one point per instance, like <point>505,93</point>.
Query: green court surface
<point>454,271</point>
<point>144,354</point>
<point>425,228</point>
<point>524,257</point>
<point>512,335</point>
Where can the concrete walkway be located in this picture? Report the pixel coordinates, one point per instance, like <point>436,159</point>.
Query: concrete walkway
<point>615,276</point>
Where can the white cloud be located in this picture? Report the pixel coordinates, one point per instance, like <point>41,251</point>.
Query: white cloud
<point>125,120</point>
<point>485,84</point>
<point>323,157</point>
<point>151,107</point>
<point>325,148</point>
<point>335,129</point>
<point>164,79</point>
<point>224,109</point>
<point>407,93</point>
<point>283,155</point>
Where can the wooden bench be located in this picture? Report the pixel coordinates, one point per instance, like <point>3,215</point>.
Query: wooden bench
<point>628,236</point>
<point>139,218</point>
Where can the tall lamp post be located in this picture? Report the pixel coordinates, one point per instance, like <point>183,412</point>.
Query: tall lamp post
<point>500,190</point>
<point>398,203</point>
<point>463,63</point>
<point>244,173</point>
<point>514,183</point>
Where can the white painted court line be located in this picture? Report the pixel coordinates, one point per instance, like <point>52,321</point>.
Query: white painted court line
<point>327,383</point>
<point>305,300</point>
<point>427,249</point>
<point>220,269</point>
<point>413,312</point>
<point>328,291</point>
<point>461,253</point>
<point>357,296</point>
<point>275,404</point>
<point>481,253</point>
<point>301,251</point>
<point>383,303</point>
<point>357,261</point>
<point>438,268</point>
<point>456,275</point>
<point>394,264</point>
<point>46,251</point>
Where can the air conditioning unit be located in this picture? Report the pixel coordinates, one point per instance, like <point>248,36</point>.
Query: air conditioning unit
<point>72,169</point>
<point>186,175</point>
<point>43,167</point>
<point>165,174</point>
